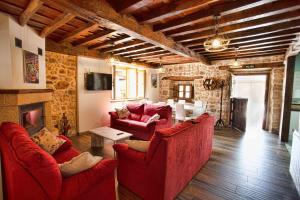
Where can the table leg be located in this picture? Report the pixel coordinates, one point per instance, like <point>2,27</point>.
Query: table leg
<point>97,141</point>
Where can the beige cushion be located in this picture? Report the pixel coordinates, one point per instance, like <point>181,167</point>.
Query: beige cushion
<point>153,118</point>
<point>78,164</point>
<point>47,140</point>
<point>138,145</point>
<point>122,113</point>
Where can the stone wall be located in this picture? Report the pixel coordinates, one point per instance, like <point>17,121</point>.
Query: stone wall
<point>276,92</point>
<point>212,97</point>
<point>61,75</point>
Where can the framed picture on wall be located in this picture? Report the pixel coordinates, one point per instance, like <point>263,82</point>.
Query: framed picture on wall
<point>154,80</point>
<point>30,67</point>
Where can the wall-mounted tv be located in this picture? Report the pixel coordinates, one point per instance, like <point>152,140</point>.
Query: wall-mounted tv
<point>98,81</point>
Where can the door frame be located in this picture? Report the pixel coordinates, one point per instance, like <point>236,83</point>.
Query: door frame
<point>267,73</point>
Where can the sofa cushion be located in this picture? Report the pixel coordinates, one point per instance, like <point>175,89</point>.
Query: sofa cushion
<point>138,126</point>
<point>122,113</point>
<point>65,146</point>
<point>66,155</point>
<point>9,129</point>
<point>138,145</point>
<point>153,118</point>
<point>78,164</point>
<point>136,108</point>
<point>39,164</point>
<point>152,109</point>
<point>135,117</point>
<point>48,141</point>
<point>145,118</point>
<point>122,122</point>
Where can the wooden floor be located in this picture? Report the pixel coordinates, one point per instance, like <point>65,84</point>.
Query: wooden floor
<point>254,165</point>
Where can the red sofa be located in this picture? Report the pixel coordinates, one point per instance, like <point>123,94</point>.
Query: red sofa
<point>139,115</point>
<point>174,156</point>
<point>30,173</point>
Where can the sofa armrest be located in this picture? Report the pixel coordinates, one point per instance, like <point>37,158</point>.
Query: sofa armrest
<point>124,151</point>
<point>81,183</point>
<point>67,139</point>
<point>113,115</point>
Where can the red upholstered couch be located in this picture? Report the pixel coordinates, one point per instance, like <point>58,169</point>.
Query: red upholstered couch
<point>174,156</point>
<point>30,173</point>
<point>139,115</point>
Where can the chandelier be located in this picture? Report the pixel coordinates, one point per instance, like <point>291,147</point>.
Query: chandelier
<point>217,42</point>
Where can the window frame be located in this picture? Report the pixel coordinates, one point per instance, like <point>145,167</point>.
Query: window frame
<point>127,68</point>
<point>184,92</point>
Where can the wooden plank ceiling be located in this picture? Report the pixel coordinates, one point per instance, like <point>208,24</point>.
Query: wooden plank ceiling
<point>163,31</point>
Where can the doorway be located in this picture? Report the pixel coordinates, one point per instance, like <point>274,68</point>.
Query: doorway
<point>253,88</point>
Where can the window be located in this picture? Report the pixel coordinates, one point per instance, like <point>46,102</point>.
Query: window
<point>185,91</point>
<point>129,83</point>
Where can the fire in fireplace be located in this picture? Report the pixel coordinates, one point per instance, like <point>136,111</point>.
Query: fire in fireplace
<point>32,117</point>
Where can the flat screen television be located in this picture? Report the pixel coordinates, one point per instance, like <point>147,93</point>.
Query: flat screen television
<point>98,81</point>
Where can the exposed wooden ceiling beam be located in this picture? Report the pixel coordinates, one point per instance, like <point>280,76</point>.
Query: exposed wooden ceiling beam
<point>100,11</point>
<point>130,5</point>
<point>255,66</point>
<point>254,44</point>
<point>152,55</point>
<point>203,15</point>
<point>261,22</point>
<point>31,8</point>
<point>250,55</point>
<point>257,48</point>
<point>157,49</point>
<point>171,9</point>
<point>81,30</point>
<point>123,46</point>
<point>111,42</point>
<point>134,49</point>
<point>241,55</point>
<point>282,28</point>
<point>160,53</point>
<point>99,35</point>
<point>58,22</point>
<point>253,41</point>
<point>264,10</point>
<point>69,49</point>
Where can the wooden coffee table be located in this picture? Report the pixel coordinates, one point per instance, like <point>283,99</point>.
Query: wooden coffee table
<point>98,135</point>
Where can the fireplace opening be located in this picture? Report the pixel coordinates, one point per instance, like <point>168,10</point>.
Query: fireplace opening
<point>32,117</point>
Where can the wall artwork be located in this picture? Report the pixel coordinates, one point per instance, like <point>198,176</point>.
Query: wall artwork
<point>31,67</point>
<point>154,80</point>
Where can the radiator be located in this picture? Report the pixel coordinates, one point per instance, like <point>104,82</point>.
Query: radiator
<point>295,160</point>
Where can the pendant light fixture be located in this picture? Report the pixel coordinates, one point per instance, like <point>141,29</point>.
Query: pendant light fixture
<point>217,42</point>
<point>236,63</point>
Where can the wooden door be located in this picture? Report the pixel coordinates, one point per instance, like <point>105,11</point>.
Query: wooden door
<point>238,113</point>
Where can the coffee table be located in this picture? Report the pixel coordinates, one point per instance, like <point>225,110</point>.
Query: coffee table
<point>98,135</point>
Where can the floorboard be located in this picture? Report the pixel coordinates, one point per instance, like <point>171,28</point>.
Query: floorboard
<point>253,165</point>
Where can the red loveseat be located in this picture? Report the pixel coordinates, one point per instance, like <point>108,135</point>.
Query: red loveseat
<point>139,115</point>
<point>30,173</point>
<point>174,156</point>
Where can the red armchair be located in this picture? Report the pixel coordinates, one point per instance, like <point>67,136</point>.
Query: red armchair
<point>32,174</point>
<point>139,115</point>
<point>174,156</point>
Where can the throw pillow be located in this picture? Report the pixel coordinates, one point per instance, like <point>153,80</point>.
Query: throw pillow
<point>78,164</point>
<point>122,113</point>
<point>138,145</point>
<point>153,118</point>
<point>47,140</point>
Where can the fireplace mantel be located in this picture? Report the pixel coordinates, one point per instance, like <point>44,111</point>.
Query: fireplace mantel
<point>25,91</point>
<point>11,100</point>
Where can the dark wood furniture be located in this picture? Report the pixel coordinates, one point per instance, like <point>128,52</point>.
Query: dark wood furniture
<point>238,111</point>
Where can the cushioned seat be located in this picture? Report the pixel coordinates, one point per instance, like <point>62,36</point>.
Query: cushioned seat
<point>136,123</point>
<point>30,173</point>
<point>174,156</point>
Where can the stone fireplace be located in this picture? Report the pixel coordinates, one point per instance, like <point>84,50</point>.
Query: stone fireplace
<point>30,108</point>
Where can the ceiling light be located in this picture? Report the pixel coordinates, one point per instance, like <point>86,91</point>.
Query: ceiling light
<point>217,42</point>
<point>236,63</point>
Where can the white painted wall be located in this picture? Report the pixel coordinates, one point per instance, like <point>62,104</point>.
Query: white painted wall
<point>11,57</point>
<point>93,106</point>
